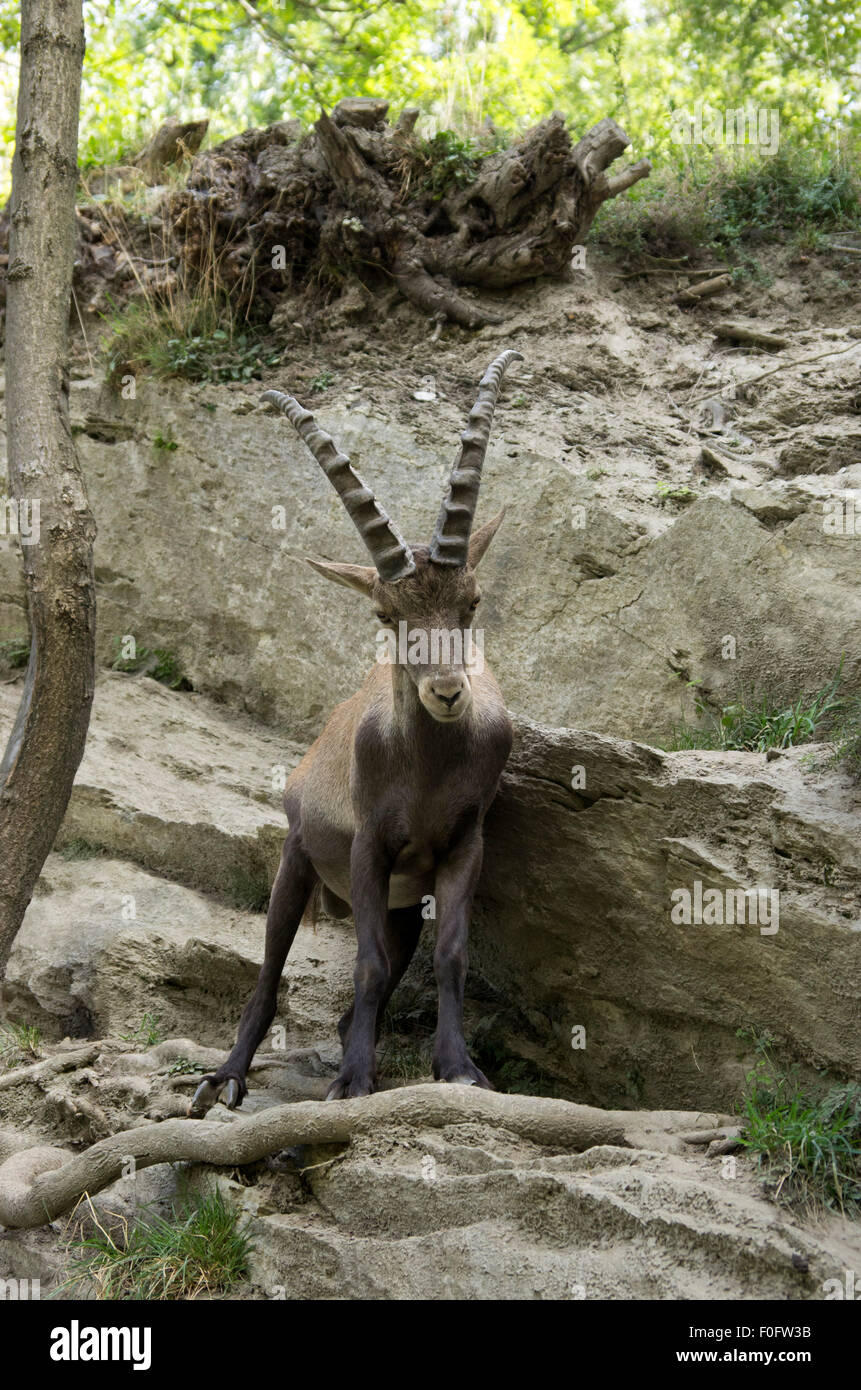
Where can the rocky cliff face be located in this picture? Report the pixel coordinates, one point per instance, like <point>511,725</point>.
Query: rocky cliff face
<point>630,563</point>
<point>583,913</point>
<point>616,957</point>
<point>576,925</point>
<point>572,929</point>
<point>467,1211</point>
<point>141,929</point>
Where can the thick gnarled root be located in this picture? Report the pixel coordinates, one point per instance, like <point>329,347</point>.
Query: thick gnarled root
<point>37,1185</point>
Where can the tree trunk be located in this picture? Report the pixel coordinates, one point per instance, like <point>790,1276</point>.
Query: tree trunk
<point>48,737</point>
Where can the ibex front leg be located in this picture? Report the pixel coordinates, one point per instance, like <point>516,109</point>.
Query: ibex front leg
<point>369,886</point>
<point>456,881</point>
<point>290,893</point>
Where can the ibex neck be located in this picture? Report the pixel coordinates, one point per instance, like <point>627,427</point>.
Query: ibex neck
<point>409,711</point>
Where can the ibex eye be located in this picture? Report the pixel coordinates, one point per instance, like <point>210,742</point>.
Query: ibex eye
<point>475,603</point>
<point>383,617</point>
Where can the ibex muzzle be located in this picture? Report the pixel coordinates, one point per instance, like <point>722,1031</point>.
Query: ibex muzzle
<point>386,809</point>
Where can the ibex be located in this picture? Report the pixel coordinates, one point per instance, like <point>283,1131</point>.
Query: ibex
<point>387,807</point>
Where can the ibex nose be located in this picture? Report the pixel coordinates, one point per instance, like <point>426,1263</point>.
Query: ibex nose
<point>447,699</point>
<point>449,691</point>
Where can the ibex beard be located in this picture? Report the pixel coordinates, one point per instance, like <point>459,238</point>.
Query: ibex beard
<point>387,808</point>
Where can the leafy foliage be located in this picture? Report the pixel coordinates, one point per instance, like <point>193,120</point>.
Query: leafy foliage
<point>169,339</point>
<point>443,162</point>
<point>720,199</point>
<point>667,492</point>
<point>758,724</point>
<point>217,356</point>
<point>510,61</point>
<point>184,1066</point>
<point>159,663</point>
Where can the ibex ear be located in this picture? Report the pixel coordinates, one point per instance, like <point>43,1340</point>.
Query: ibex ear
<point>361,577</point>
<point>480,539</point>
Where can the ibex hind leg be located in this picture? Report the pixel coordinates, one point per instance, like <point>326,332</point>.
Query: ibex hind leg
<point>403,929</point>
<point>294,883</point>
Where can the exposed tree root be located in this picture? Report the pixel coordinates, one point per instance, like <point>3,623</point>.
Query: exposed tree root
<point>518,213</point>
<point>52,1066</point>
<point>355,201</point>
<point>39,1184</point>
<point>173,141</point>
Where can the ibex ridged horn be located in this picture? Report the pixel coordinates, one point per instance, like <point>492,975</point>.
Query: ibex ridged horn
<point>450,543</point>
<point>388,549</point>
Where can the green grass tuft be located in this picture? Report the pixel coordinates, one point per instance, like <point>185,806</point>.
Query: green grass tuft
<point>15,653</point>
<point>761,723</point>
<point>202,1250</point>
<point>164,441</point>
<point>81,849</point>
<point>846,737</point>
<point>192,339</point>
<point>20,1044</point>
<point>148,1032</point>
<point>249,888</point>
<point>719,200</point>
<point>406,1059</point>
<point>808,1146</point>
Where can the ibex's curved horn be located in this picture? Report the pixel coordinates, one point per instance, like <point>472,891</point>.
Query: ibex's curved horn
<point>450,543</point>
<point>388,549</point>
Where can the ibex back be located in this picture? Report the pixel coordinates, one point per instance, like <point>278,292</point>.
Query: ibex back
<point>387,807</point>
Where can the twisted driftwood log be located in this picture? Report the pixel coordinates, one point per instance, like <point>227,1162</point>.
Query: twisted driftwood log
<point>38,1184</point>
<point>40,1072</point>
<point>354,202</point>
<point>350,195</point>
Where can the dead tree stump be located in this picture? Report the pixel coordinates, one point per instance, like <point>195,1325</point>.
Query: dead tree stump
<point>354,203</point>
<point>359,198</point>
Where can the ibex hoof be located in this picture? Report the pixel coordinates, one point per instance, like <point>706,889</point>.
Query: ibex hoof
<point>209,1091</point>
<point>349,1086</point>
<point>462,1073</point>
<point>232,1095</point>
